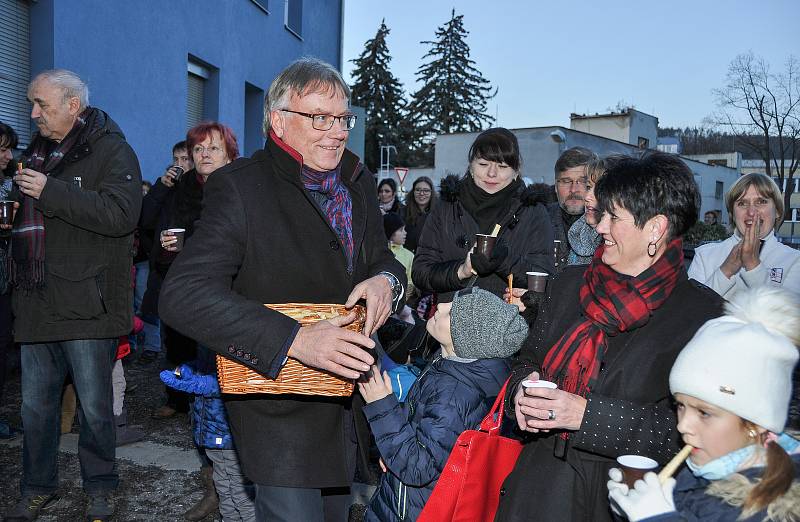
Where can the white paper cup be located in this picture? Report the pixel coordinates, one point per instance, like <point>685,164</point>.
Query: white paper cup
<point>634,467</point>
<point>539,384</point>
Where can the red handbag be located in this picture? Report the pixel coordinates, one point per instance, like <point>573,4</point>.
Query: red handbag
<point>468,489</point>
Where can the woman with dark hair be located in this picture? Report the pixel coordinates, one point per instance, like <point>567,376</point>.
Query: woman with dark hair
<point>491,193</point>
<point>8,142</point>
<point>387,197</point>
<point>607,335</point>
<point>419,203</point>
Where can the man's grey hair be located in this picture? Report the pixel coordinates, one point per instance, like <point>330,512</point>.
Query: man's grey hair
<point>301,77</point>
<point>70,84</point>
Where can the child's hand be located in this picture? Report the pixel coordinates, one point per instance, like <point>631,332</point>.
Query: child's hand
<point>647,499</point>
<point>375,387</point>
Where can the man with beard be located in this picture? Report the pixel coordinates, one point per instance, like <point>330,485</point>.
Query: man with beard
<point>570,190</point>
<point>72,244</point>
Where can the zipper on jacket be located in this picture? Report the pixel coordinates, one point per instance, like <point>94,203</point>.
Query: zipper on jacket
<point>100,293</point>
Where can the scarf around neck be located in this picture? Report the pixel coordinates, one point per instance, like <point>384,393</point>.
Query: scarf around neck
<point>337,206</point>
<point>487,209</point>
<point>28,236</point>
<point>612,303</point>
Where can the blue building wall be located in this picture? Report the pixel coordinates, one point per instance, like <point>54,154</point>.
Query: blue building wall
<point>133,56</point>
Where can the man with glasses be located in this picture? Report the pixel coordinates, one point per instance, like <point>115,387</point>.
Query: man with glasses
<point>298,222</point>
<point>570,170</point>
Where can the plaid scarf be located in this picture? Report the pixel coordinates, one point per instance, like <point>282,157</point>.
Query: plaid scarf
<point>338,207</point>
<point>27,237</point>
<point>612,303</point>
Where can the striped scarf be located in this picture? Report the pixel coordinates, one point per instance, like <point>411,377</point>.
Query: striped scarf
<point>338,207</point>
<point>612,304</point>
<point>28,236</point>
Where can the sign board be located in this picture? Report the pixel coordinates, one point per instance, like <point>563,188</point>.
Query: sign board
<point>401,172</point>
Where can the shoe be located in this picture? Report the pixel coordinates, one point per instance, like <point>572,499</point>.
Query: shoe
<point>126,435</point>
<point>7,432</point>
<point>147,357</point>
<point>210,502</point>
<point>100,508</point>
<point>29,507</point>
<point>164,412</point>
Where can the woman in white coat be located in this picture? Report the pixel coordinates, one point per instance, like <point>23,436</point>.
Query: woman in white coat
<point>752,256</point>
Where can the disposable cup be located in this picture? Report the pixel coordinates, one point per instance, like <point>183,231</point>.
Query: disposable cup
<point>634,467</point>
<point>179,234</point>
<point>537,281</point>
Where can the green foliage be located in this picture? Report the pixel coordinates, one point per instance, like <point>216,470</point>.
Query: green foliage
<point>453,94</point>
<point>377,90</point>
<point>702,233</point>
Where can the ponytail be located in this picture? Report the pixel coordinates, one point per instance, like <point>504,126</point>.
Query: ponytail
<point>775,482</point>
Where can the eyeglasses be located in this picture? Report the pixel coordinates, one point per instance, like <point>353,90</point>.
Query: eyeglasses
<point>325,122</point>
<point>566,182</point>
<point>422,191</point>
<point>212,150</point>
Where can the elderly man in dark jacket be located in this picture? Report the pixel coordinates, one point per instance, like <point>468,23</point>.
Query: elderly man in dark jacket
<point>298,222</point>
<point>71,264</point>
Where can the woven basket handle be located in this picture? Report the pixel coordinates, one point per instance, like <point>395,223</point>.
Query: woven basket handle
<point>491,423</point>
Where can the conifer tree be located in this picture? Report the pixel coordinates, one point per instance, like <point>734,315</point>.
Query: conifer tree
<point>377,90</point>
<point>453,94</point>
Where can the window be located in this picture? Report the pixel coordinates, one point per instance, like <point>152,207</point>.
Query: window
<point>15,69</point>
<point>196,94</point>
<point>643,143</point>
<point>294,17</point>
<point>719,162</point>
<point>261,4</point>
<point>253,119</point>
<point>719,190</point>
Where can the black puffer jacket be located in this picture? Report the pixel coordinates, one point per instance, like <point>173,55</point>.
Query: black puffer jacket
<point>87,292</point>
<point>449,233</point>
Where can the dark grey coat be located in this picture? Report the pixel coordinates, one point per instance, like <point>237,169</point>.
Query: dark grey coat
<point>261,238</point>
<point>87,291</point>
<point>628,411</point>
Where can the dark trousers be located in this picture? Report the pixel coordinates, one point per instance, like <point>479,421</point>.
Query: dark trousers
<point>279,504</point>
<point>180,349</point>
<point>6,338</point>
<point>44,367</point>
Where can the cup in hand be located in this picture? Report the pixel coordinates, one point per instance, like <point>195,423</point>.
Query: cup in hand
<point>634,468</point>
<point>539,384</point>
<point>177,171</point>
<point>484,244</point>
<point>537,281</point>
<point>179,234</point>
<point>6,212</point>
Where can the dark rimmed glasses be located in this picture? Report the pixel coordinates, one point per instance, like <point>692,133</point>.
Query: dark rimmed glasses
<point>323,122</point>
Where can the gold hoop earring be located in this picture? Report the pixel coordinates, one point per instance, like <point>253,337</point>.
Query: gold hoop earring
<point>752,434</point>
<point>652,248</point>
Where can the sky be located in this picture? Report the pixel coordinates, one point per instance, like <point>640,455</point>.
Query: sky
<point>549,59</point>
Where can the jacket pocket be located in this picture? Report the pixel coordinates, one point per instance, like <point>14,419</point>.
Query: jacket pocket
<point>76,291</point>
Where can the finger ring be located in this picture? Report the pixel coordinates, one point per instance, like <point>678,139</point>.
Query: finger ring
<point>551,415</point>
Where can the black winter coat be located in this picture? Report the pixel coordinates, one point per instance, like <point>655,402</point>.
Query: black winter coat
<point>87,292</point>
<point>629,410</point>
<point>415,438</point>
<point>262,238</point>
<point>449,233</point>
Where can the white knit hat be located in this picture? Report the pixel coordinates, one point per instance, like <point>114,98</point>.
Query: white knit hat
<point>742,362</point>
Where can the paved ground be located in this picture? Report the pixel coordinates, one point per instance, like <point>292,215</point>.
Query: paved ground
<point>159,476</point>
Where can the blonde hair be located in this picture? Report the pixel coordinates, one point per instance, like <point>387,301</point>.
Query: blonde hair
<point>765,186</point>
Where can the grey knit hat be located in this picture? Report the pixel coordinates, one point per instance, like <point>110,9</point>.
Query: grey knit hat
<point>483,326</point>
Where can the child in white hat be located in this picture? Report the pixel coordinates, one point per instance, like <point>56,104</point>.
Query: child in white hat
<point>732,385</point>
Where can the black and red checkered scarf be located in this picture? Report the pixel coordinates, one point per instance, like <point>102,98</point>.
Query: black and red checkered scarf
<point>612,303</point>
<point>27,237</point>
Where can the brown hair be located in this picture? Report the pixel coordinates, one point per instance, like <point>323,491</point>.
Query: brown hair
<point>765,186</point>
<point>776,480</point>
<point>412,208</point>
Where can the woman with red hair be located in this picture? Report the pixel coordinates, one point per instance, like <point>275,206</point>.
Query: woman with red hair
<point>211,145</point>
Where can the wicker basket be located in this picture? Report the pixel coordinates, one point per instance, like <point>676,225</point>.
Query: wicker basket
<point>295,377</point>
